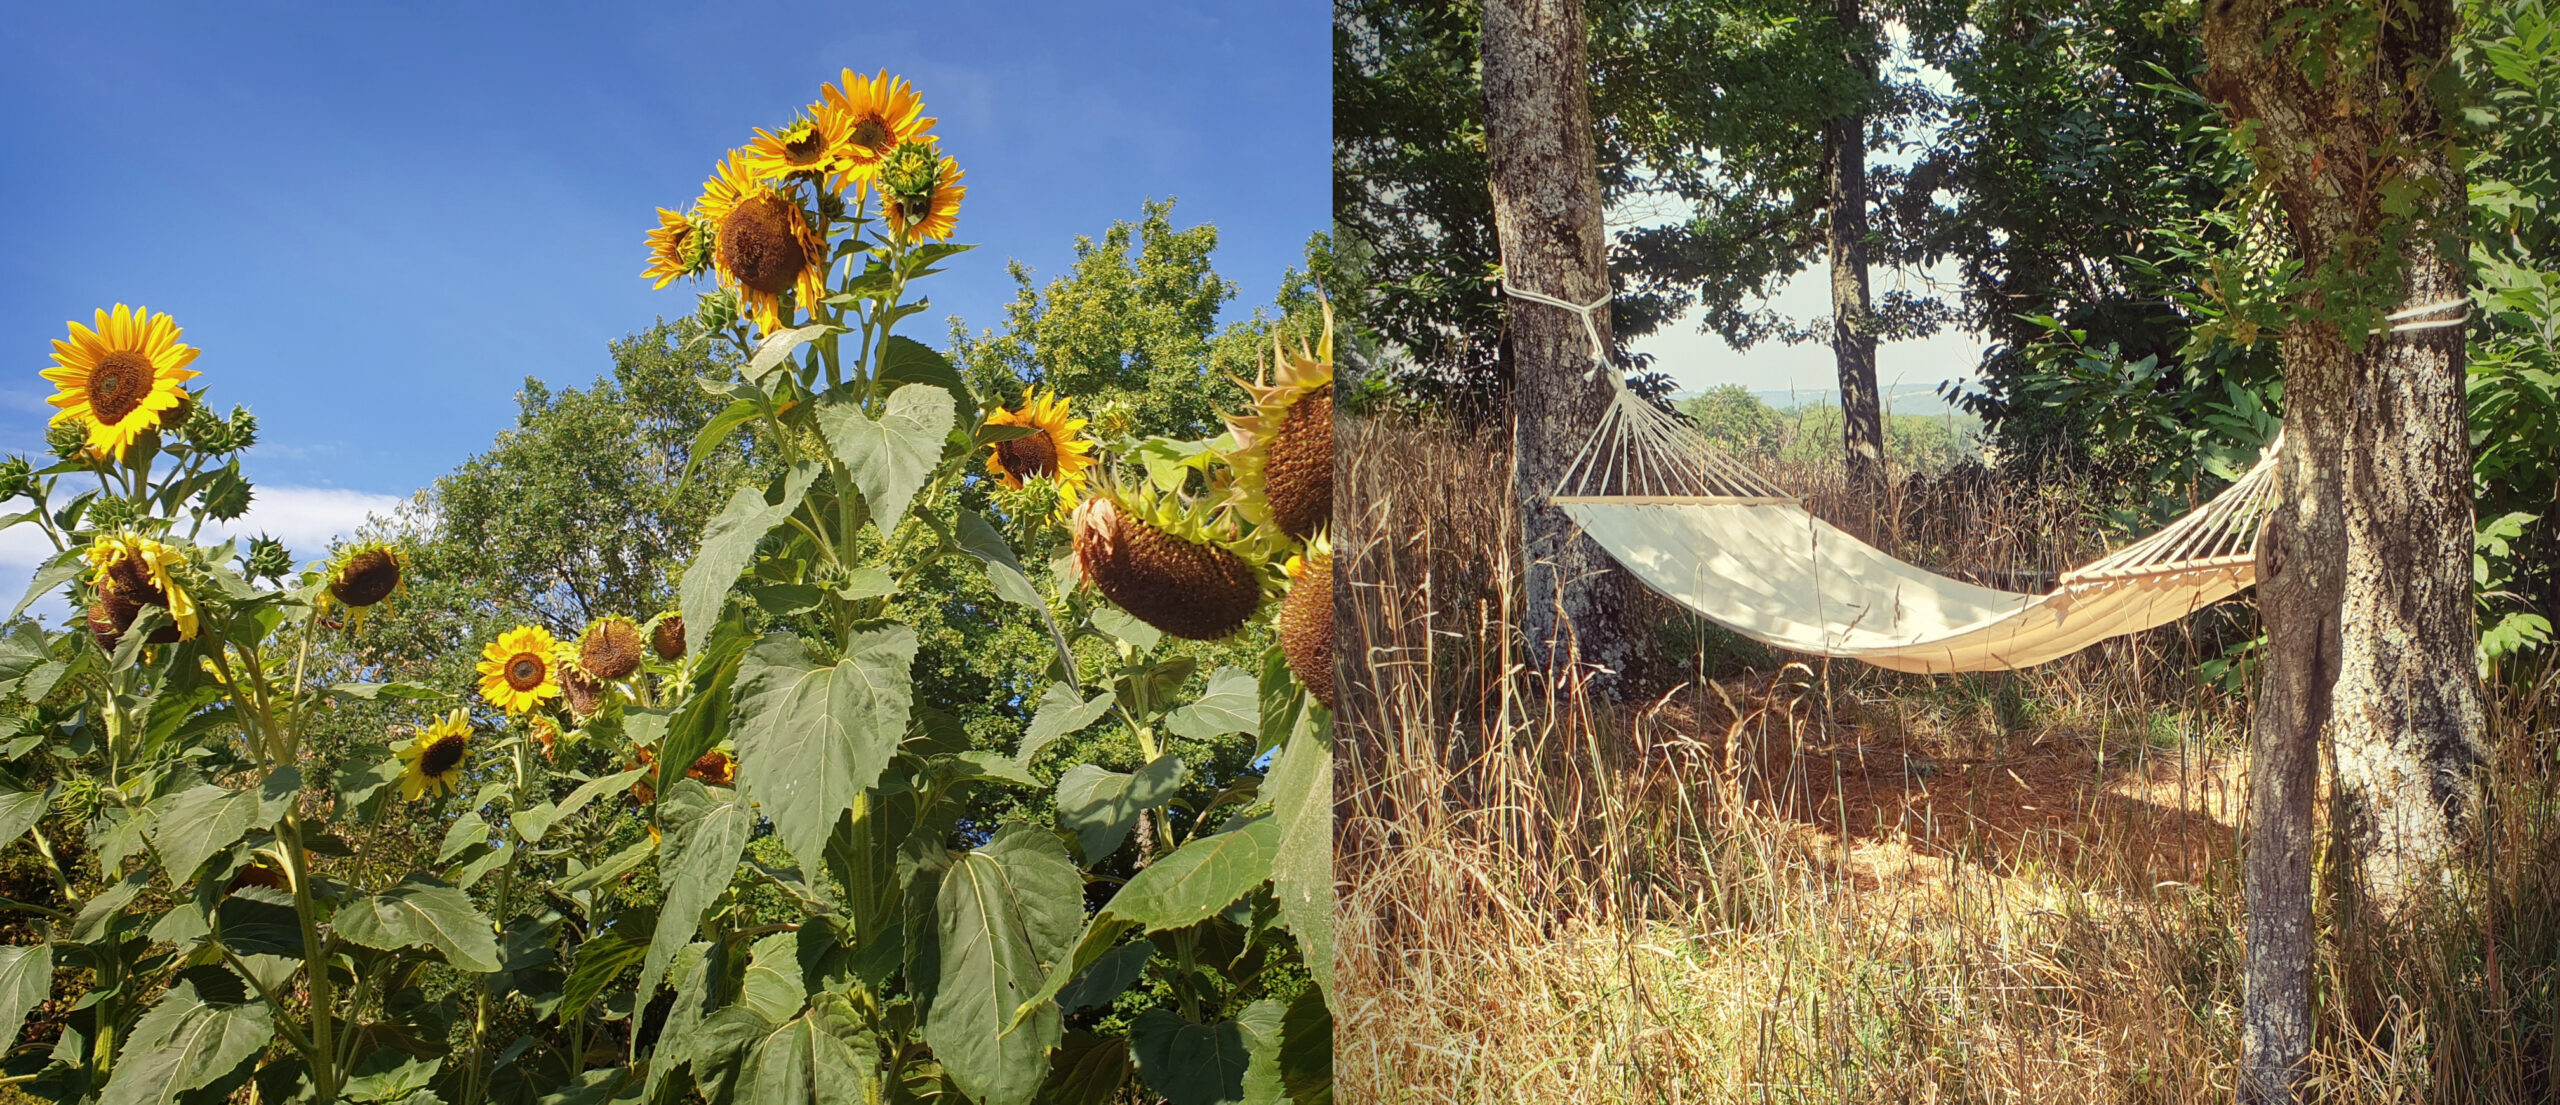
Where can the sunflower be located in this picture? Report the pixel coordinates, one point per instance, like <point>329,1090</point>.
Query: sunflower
<point>520,669</point>
<point>434,757</point>
<point>610,649</point>
<point>1057,450</point>
<point>1158,558</point>
<point>763,243</point>
<point>920,192</point>
<point>874,116</point>
<point>811,148</point>
<point>1306,619</point>
<point>679,247</point>
<point>716,767</point>
<point>132,572</point>
<point>363,576</point>
<point>122,379</point>
<point>1284,457</point>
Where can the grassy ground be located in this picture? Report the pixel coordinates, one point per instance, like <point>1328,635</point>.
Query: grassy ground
<point>1768,881</point>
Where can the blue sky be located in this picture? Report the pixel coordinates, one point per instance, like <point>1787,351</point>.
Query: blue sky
<point>377,220</point>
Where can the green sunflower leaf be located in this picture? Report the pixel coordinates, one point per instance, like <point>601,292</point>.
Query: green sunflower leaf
<point>889,457</point>
<point>812,738</point>
<point>729,543</point>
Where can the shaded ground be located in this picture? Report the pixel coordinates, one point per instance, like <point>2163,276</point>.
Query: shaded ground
<point>1912,795</point>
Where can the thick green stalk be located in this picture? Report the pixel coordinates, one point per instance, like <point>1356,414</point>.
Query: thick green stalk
<point>315,960</point>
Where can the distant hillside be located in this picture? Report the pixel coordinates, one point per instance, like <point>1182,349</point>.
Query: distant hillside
<point>1904,399</point>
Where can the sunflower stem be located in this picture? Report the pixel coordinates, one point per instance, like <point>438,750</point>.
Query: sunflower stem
<point>315,961</point>
<point>506,892</point>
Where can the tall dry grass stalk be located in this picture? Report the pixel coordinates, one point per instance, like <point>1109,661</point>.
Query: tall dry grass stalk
<point>1776,881</point>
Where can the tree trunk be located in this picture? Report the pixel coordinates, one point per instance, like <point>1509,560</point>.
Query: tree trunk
<point>2364,580</point>
<point>1547,220</point>
<point>1853,340</point>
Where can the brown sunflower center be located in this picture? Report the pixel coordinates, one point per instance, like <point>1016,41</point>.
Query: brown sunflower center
<point>611,650</point>
<point>1031,456</point>
<point>444,755</point>
<point>872,133</point>
<point>759,246</point>
<point>525,671</point>
<point>804,147</point>
<point>133,581</point>
<point>118,383</point>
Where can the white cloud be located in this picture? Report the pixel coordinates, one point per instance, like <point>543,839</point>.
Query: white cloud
<point>306,519</point>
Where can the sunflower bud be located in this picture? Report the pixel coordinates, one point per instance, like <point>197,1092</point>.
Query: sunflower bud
<point>204,431</point>
<point>16,475</point>
<point>112,512</point>
<point>910,174</point>
<point>267,558</point>
<point>718,312</point>
<point>66,440</point>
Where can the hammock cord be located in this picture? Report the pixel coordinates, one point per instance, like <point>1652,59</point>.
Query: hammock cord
<point>1640,453</point>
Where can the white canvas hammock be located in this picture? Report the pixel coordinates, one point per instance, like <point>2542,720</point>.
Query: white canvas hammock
<point>1719,539</point>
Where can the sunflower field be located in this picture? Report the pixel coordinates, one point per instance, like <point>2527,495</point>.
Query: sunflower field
<point>727,852</point>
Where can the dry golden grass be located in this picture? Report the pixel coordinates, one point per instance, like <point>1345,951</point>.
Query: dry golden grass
<point>1774,882</point>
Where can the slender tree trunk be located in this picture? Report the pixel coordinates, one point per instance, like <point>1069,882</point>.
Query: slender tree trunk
<point>1546,218</point>
<point>1853,340</point>
<point>2364,580</point>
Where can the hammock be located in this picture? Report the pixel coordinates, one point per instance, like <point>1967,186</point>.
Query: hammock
<point>1717,538</point>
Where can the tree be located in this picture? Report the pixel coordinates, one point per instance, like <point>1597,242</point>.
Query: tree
<point>1136,328</point>
<point>1546,215</point>
<point>2364,579</point>
<point>1844,185</point>
<point>576,512</point>
<point>1710,125</point>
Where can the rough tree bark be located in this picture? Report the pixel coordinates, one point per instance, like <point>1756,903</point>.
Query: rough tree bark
<point>1546,217</point>
<point>2364,580</point>
<point>1853,340</point>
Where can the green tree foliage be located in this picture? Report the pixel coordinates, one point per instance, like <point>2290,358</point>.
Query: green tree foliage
<point>1709,123</point>
<point>581,510</point>
<point>2082,172</point>
<point>1132,324</point>
<point>2512,63</point>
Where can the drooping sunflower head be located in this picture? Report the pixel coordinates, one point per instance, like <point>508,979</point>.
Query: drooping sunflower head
<point>1306,619</point>
<point>679,247</point>
<point>810,148</point>
<point>666,638</point>
<point>125,378</point>
<point>1056,450</point>
<point>920,192</point>
<point>130,572</point>
<point>716,767</point>
<point>873,116</point>
<point>1158,560</point>
<point>433,759</point>
<point>1284,456</point>
<point>520,669</point>
<point>763,244</point>
<point>364,574</point>
<point>584,693</point>
<point>610,648</point>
